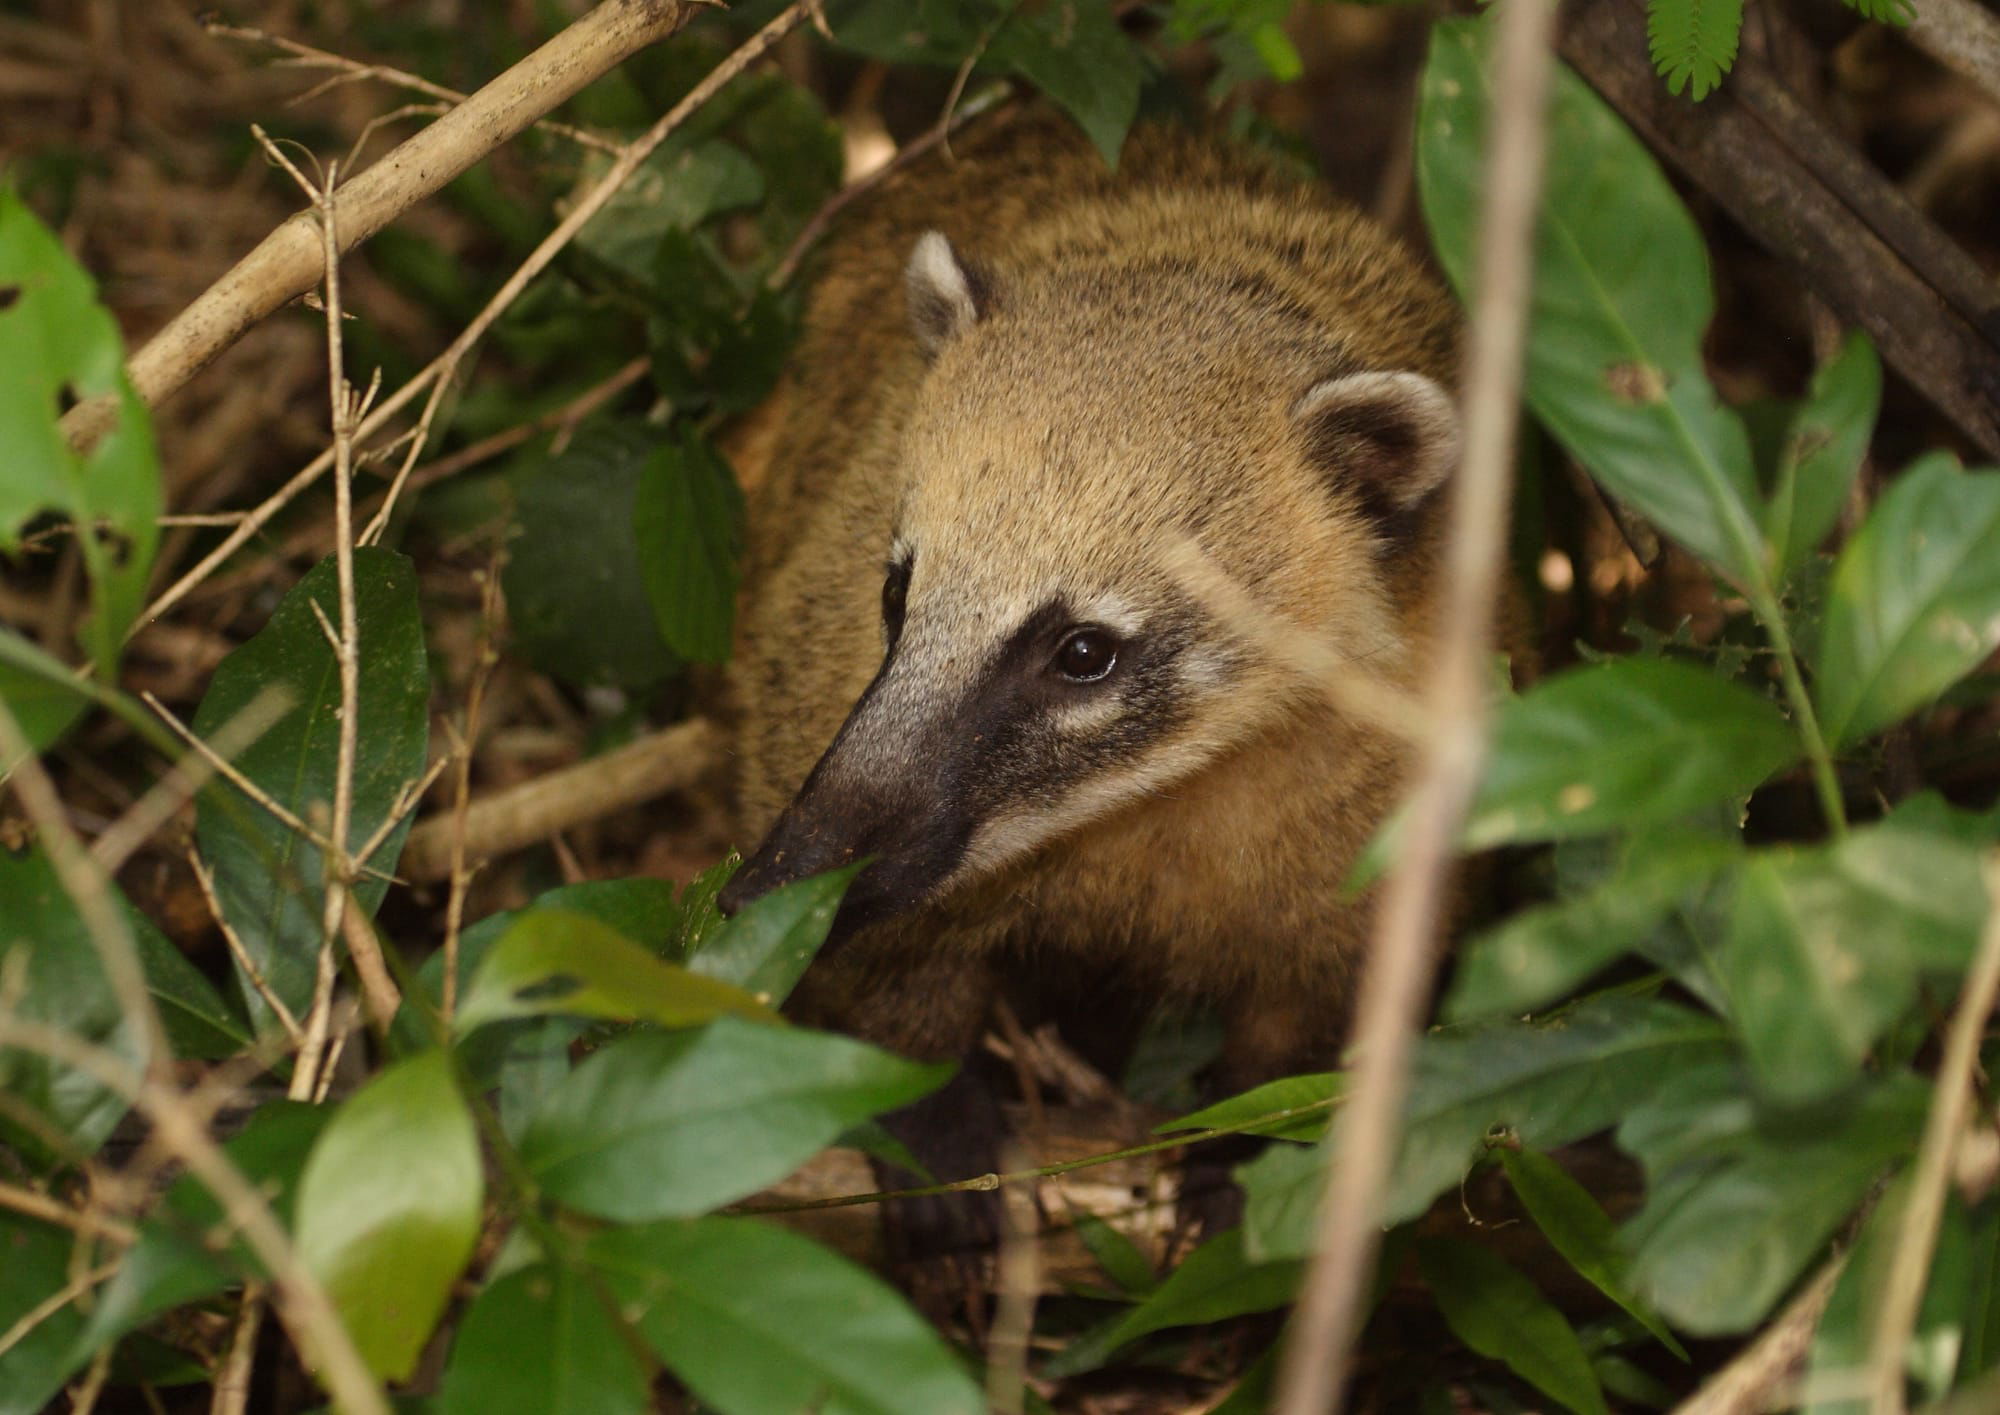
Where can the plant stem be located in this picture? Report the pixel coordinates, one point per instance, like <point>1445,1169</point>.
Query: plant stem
<point>1764,603</point>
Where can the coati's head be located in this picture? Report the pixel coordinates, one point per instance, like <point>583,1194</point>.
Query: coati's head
<point>1080,429</point>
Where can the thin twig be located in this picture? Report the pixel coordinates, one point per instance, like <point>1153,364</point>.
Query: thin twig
<point>1951,1104</point>
<point>232,1385</point>
<point>1020,1280</point>
<point>89,888</point>
<point>461,790</point>
<point>628,162</point>
<point>305,56</point>
<point>1313,1369</point>
<point>52,1304</point>
<point>305,1308</point>
<point>205,879</point>
<point>1757,1378</point>
<point>185,778</point>
<point>85,1221</point>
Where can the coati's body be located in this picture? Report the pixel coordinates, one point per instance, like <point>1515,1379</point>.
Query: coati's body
<point>1111,378</point>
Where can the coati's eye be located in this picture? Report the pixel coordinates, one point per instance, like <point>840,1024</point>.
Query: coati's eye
<point>895,593</point>
<point>1086,655</point>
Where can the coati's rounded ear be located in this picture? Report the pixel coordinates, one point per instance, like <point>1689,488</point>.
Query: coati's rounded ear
<point>1391,438</point>
<point>946,296</point>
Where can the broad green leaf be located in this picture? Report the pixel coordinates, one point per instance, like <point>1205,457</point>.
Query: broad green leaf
<point>1915,603</point>
<point>1301,1105</point>
<point>1614,365</point>
<point>44,704</point>
<point>765,949</point>
<point>539,1341</point>
<point>759,1321</point>
<point>1213,1283</point>
<point>1079,56</point>
<point>699,917</point>
<point>686,516</point>
<point>1838,1372</point>
<point>1980,1323</point>
<point>1541,954</point>
<point>1740,1200</point>
<point>1826,946</point>
<point>1502,1315</point>
<point>62,983</point>
<point>1547,1084</point>
<point>553,961</point>
<point>575,576</point>
<point>1823,452</point>
<point>1118,1255</point>
<point>1693,42</point>
<point>267,878</point>
<point>389,1207</point>
<point>1579,1230</point>
<point>175,1262</point>
<point>1630,742</point>
<point>679,186</point>
<point>35,1264</point>
<point>669,1124</point>
<point>57,342</point>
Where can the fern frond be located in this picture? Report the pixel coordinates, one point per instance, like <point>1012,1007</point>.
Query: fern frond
<point>1694,41</point>
<point>1889,12</point>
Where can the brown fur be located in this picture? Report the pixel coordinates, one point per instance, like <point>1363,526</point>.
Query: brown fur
<point>1166,318</point>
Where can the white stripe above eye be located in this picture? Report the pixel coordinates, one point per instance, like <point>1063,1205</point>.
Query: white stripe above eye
<point>1111,611</point>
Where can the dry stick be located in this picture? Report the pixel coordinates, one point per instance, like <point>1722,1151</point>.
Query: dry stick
<point>441,368</point>
<point>186,777</point>
<point>88,887</point>
<point>305,56</point>
<point>288,262</point>
<point>205,878</point>
<point>1753,1380</point>
<point>1962,36</point>
<point>304,1308</point>
<point>232,1386</point>
<point>40,1206</point>
<point>461,792</point>
<point>1401,953</point>
<point>1020,1279</point>
<point>660,761</point>
<point>1951,1103</point>
<point>635,153</point>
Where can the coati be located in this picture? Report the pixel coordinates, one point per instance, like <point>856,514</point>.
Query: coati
<point>969,651</point>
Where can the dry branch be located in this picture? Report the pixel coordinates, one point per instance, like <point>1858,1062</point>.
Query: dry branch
<point>660,762</point>
<point>1402,949</point>
<point>1804,192</point>
<point>290,261</point>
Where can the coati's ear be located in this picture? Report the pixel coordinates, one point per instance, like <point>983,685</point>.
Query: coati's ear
<point>1392,438</point>
<point>946,296</point>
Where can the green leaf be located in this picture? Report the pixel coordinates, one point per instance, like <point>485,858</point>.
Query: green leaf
<point>1547,1084</point>
<point>267,878</point>
<point>62,983</point>
<point>1740,1199</point>
<point>389,1208</point>
<point>1502,1315</point>
<point>1625,743</point>
<point>669,1124</point>
<point>1693,42</point>
<point>553,961</point>
<point>1542,954</point>
<point>699,916</point>
<point>1823,452</point>
<point>539,1341</point>
<point>1979,1322</point>
<point>57,342</point>
<point>1213,1283</point>
<point>1888,12</point>
<point>1076,53</point>
<point>44,701</point>
<point>677,188</point>
<point>1579,1230</point>
<point>1310,1100</point>
<point>175,1261</point>
<point>765,949</point>
<point>686,515</point>
<point>759,1321</point>
<point>1825,947</point>
<point>1614,366</point>
<point>1915,602</point>
<point>1118,1255</point>
<point>575,577</point>
<point>35,1261</point>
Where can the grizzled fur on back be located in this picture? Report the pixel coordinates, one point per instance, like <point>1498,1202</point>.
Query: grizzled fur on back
<point>989,439</point>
